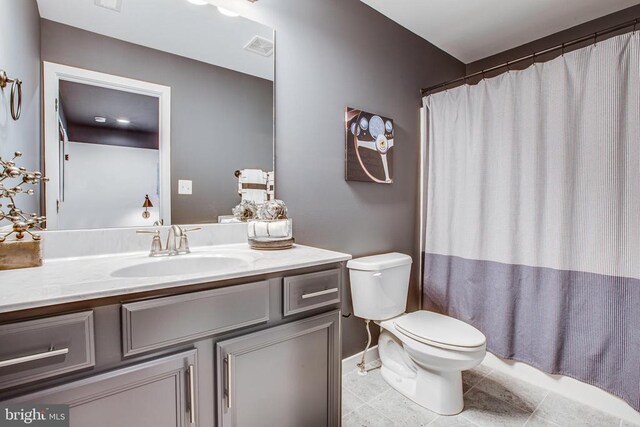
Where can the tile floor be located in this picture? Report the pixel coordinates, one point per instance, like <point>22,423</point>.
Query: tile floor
<point>491,399</point>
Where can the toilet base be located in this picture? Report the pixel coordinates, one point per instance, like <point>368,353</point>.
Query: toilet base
<point>440,392</point>
<point>415,375</point>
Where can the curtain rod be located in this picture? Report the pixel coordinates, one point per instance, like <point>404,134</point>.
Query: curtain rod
<point>562,46</point>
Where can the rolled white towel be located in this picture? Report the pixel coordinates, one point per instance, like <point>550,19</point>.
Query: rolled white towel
<point>273,229</point>
<point>261,229</point>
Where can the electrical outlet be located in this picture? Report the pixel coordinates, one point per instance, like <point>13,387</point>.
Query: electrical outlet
<point>184,186</point>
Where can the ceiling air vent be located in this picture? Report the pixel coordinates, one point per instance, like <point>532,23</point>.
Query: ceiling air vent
<point>260,45</point>
<point>115,5</point>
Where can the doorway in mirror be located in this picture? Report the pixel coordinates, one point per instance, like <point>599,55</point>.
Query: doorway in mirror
<point>106,150</point>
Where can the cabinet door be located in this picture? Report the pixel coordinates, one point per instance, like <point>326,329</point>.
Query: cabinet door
<point>157,393</point>
<point>287,376</point>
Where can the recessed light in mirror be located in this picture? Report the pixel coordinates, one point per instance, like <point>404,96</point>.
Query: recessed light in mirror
<point>124,121</point>
<point>227,12</point>
<point>99,119</point>
<point>198,2</point>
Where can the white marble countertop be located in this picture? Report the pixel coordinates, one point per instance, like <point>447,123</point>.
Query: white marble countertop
<point>67,280</point>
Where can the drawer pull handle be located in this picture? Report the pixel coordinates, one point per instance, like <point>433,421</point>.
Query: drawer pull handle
<point>32,357</point>
<point>228,361</point>
<point>320,293</point>
<point>192,395</point>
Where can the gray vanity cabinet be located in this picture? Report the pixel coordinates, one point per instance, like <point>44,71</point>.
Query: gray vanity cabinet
<point>156,393</point>
<point>286,376</point>
<point>248,352</point>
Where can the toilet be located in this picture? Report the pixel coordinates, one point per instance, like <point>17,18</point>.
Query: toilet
<point>422,353</point>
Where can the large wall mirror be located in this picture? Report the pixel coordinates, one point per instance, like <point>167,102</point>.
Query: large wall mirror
<point>149,107</point>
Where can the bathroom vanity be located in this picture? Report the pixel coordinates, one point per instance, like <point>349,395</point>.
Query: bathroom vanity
<point>255,342</point>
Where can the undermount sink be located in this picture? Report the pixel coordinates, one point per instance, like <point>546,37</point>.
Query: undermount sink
<point>183,265</point>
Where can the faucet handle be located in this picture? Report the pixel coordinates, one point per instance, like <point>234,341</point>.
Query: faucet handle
<point>184,241</point>
<point>184,245</point>
<point>187,230</point>
<point>156,232</point>
<point>156,244</point>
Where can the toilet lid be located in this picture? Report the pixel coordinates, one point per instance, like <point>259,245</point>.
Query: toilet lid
<point>433,328</point>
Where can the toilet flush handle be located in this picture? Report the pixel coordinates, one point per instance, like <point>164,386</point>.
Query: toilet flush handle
<point>378,274</point>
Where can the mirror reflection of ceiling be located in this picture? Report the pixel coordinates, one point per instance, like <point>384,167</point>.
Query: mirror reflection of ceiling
<point>98,115</point>
<point>174,26</point>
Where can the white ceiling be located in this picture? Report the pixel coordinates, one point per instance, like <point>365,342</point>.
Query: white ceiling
<point>474,29</point>
<point>174,26</point>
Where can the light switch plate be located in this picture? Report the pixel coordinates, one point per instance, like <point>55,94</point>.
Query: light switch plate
<point>185,186</point>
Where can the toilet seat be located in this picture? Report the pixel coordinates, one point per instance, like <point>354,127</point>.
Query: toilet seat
<point>440,331</point>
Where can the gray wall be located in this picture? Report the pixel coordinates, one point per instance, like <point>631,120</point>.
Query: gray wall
<point>331,54</point>
<point>567,35</point>
<point>20,58</point>
<point>221,120</point>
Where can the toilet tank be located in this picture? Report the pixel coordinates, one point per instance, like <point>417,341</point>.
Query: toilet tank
<point>379,285</point>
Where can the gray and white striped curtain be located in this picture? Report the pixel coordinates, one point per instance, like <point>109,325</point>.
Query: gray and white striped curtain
<point>533,213</point>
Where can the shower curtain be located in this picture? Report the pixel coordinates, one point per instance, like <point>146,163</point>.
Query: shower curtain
<point>533,213</point>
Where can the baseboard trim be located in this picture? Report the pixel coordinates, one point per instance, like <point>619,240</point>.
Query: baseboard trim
<point>349,364</point>
<point>565,386</point>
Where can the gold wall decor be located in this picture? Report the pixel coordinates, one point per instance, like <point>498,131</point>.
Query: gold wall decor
<point>18,253</point>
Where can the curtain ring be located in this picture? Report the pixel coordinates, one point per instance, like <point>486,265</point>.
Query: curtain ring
<point>483,76</point>
<point>595,38</point>
<point>508,67</point>
<point>562,49</point>
<point>16,99</point>
<point>635,24</point>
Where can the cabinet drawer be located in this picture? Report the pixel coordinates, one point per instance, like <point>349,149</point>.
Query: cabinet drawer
<point>308,291</point>
<point>42,348</point>
<point>157,323</point>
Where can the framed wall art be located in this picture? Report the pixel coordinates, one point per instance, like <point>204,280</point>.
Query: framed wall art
<point>369,147</point>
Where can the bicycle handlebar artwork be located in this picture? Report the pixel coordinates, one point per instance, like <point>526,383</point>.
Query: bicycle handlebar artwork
<point>369,147</point>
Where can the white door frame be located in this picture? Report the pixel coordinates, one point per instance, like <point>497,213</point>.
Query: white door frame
<point>52,74</point>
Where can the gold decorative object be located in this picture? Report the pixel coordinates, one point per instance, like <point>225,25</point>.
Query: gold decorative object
<point>22,222</point>
<point>20,254</point>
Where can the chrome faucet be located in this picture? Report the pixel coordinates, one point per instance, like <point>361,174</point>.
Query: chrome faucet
<point>175,232</point>
<point>171,248</point>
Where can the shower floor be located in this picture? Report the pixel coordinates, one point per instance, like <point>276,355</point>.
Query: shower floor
<point>491,399</point>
